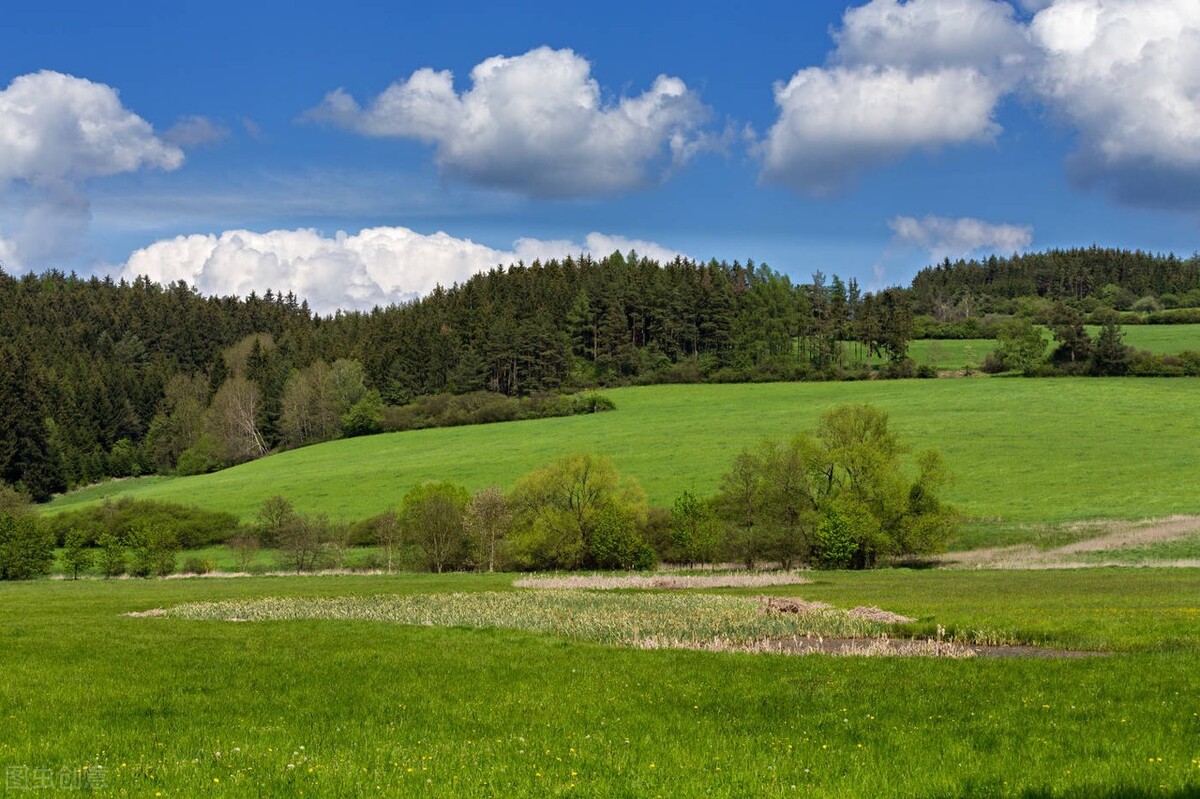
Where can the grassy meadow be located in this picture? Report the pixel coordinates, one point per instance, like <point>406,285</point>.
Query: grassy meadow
<point>954,354</point>
<point>1023,451</point>
<point>172,707</point>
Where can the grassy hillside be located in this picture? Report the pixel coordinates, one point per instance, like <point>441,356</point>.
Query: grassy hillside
<point>1022,450</point>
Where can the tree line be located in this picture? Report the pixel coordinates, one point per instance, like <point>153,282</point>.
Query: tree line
<point>839,497</point>
<point>103,378</point>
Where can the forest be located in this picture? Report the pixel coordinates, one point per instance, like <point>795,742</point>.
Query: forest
<point>103,378</point>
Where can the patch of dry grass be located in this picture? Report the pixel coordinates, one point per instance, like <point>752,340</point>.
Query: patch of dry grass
<point>650,620</point>
<point>605,582</point>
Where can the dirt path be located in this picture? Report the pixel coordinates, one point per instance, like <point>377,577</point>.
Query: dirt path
<point>1116,536</point>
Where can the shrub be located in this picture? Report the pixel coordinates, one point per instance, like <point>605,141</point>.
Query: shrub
<point>112,555</point>
<point>76,556</point>
<point>154,550</point>
<point>836,543</point>
<point>615,543</point>
<point>26,549</point>
<point>195,528</point>
<point>194,565</point>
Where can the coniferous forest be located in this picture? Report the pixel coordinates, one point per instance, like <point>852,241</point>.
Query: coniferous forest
<point>106,379</point>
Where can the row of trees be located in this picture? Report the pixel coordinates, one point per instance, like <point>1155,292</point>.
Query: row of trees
<point>1089,276</point>
<point>1022,346</point>
<point>840,497</point>
<point>836,498</point>
<point>101,378</point>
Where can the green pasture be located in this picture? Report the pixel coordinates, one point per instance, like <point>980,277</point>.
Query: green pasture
<point>1159,339</point>
<point>164,706</point>
<point>1023,451</point>
<point>954,354</point>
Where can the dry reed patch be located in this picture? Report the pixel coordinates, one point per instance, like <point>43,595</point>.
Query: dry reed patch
<point>639,620</point>
<point>878,615</point>
<point>604,582</point>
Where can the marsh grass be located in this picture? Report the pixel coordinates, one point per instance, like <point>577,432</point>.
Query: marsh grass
<point>681,620</point>
<point>608,582</point>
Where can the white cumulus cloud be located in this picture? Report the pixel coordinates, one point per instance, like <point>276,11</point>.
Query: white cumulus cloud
<point>58,126</point>
<point>836,123</point>
<point>376,266</point>
<point>942,237</point>
<point>910,74</point>
<point>1126,75</point>
<point>535,123</point>
<point>930,34</point>
<point>920,74</point>
<point>57,132</point>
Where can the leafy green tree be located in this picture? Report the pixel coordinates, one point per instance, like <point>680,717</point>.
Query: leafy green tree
<point>112,554</point>
<point>836,544</point>
<point>556,510</point>
<point>1110,356</point>
<point>1074,343</point>
<point>432,518</point>
<point>840,493</point>
<point>1020,345</point>
<point>616,543</point>
<point>273,518</point>
<point>695,534</point>
<point>154,548</point>
<point>26,547</point>
<point>488,520</point>
<point>365,417</point>
<point>76,555</point>
<point>303,541</point>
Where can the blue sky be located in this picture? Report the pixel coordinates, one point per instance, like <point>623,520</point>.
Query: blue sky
<point>903,132</point>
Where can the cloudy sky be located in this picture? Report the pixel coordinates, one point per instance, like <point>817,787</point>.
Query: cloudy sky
<point>361,153</point>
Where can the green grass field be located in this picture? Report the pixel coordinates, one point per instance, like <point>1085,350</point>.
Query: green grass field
<point>953,354</point>
<point>163,706</point>
<point>1159,339</point>
<point>1023,451</point>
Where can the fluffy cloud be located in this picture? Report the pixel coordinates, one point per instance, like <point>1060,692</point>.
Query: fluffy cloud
<point>59,126</point>
<point>956,238</point>
<point>835,123</point>
<point>534,123</point>
<point>57,132</point>
<point>930,34</point>
<point>922,74</point>
<point>1126,75</point>
<point>376,266</point>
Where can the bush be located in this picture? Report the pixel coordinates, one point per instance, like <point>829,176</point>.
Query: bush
<point>201,458</point>
<point>483,407</point>
<point>836,543</point>
<point>993,364</point>
<point>112,555</point>
<point>195,528</point>
<point>26,549</point>
<point>154,550</point>
<point>616,544</point>
<point>194,565</point>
